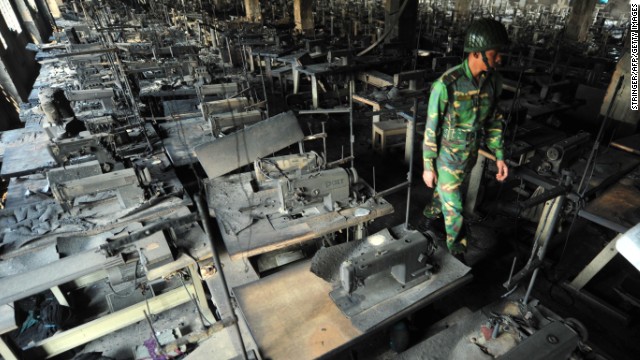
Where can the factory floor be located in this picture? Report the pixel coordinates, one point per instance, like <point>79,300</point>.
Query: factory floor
<point>498,239</point>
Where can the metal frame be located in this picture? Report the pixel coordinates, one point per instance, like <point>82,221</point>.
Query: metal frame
<point>546,227</point>
<point>59,295</point>
<point>95,329</point>
<point>597,264</point>
<point>200,297</point>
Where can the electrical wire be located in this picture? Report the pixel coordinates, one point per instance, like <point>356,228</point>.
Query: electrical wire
<point>134,287</point>
<point>415,57</point>
<point>386,33</point>
<point>203,319</point>
<point>516,101</point>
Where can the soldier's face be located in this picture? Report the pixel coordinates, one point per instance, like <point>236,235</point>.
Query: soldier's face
<point>494,58</point>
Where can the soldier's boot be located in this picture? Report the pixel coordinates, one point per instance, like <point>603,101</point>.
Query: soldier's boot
<point>460,257</point>
<point>432,224</point>
<point>459,249</point>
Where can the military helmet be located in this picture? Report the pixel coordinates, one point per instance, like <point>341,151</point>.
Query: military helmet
<point>485,34</point>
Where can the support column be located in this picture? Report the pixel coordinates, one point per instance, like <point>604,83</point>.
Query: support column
<point>314,92</point>
<point>303,16</point>
<point>402,25</point>
<point>580,19</point>
<point>45,21</point>
<point>391,21</point>
<point>54,8</point>
<point>18,68</point>
<point>462,9</point>
<point>252,9</point>
<point>28,21</point>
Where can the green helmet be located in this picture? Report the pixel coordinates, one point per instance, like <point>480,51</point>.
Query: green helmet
<point>485,34</point>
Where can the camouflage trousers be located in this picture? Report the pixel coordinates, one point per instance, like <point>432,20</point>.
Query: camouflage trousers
<point>447,200</point>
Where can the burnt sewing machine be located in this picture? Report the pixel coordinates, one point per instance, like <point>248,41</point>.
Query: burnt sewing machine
<point>385,274</point>
<point>83,148</point>
<point>301,181</point>
<point>68,184</point>
<point>408,259</point>
<point>563,153</point>
<point>287,199</point>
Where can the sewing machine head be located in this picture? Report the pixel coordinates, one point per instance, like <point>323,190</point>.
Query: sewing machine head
<point>325,187</point>
<point>301,181</point>
<point>407,259</point>
<point>268,169</point>
<point>83,148</point>
<point>86,179</point>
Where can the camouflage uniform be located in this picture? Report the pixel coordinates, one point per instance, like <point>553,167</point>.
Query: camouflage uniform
<point>458,115</point>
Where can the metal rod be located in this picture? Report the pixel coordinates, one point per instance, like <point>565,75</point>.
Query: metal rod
<point>153,332</point>
<point>324,141</point>
<point>513,267</point>
<point>228,51</point>
<point>391,190</point>
<point>533,280</point>
<point>206,222</point>
<point>546,195</point>
<point>410,173</point>
<point>193,300</point>
<point>339,162</point>
<point>323,111</point>
<point>351,137</point>
<point>264,88</point>
<point>548,230</point>
<point>602,221</point>
<point>545,236</point>
<point>374,179</point>
<point>600,134</point>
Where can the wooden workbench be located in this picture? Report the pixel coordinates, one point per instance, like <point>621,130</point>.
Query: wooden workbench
<point>617,208</point>
<point>291,315</point>
<point>629,144</point>
<point>248,229</point>
<point>614,179</point>
<point>26,158</point>
<point>182,136</point>
<point>262,236</point>
<point>20,136</point>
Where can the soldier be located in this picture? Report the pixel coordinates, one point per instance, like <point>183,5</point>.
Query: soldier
<point>462,108</point>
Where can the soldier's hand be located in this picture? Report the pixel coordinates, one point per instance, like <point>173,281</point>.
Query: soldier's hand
<point>430,178</point>
<point>503,170</point>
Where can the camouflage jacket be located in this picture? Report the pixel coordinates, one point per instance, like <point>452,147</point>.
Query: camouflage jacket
<point>459,114</point>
